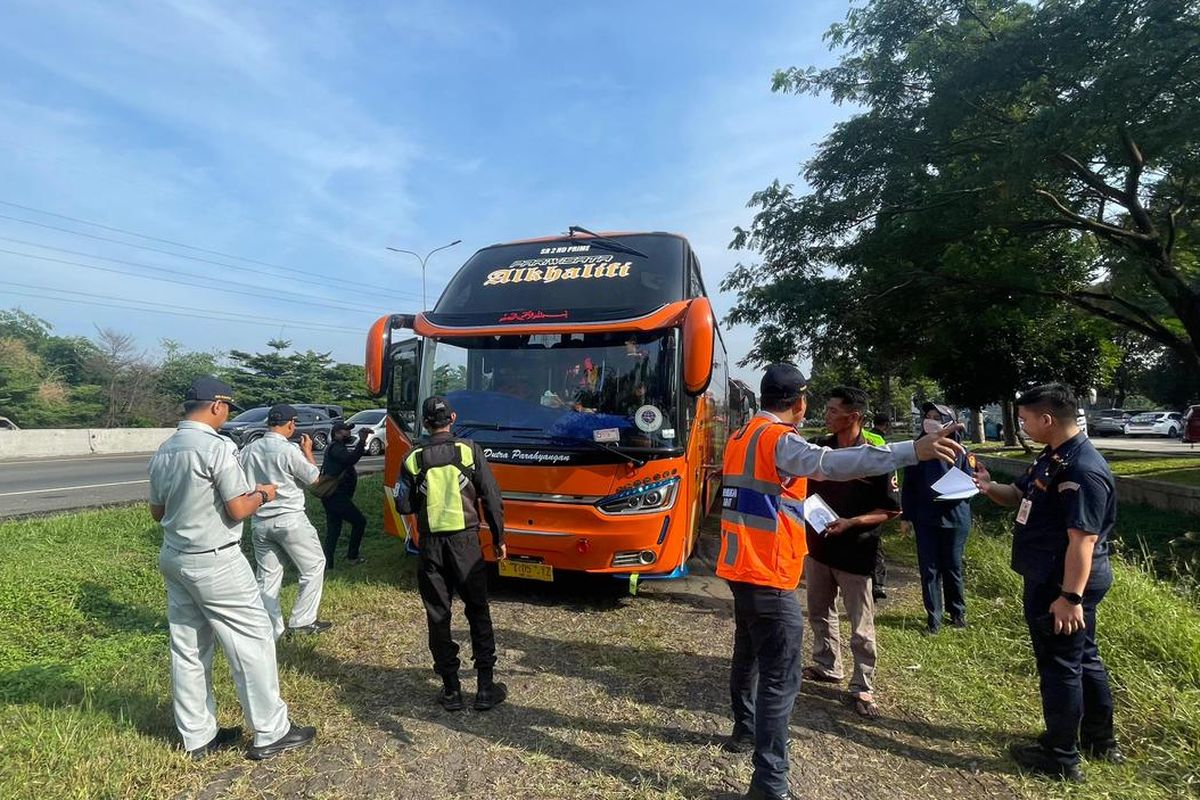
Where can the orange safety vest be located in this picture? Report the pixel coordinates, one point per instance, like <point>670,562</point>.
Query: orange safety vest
<point>762,515</point>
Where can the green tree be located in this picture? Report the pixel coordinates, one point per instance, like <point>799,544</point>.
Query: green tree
<point>1047,150</point>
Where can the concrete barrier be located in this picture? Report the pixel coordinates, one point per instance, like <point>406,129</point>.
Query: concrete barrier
<point>1163,495</point>
<point>48,442</point>
<point>127,440</point>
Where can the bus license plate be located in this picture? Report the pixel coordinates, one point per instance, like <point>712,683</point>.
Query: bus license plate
<point>527,570</point>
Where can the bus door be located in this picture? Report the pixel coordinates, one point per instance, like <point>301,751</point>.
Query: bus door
<point>403,421</point>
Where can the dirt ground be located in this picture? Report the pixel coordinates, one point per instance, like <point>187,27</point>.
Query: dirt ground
<point>609,696</point>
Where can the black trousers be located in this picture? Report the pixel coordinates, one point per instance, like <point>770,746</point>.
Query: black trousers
<point>879,576</point>
<point>452,563</point>
<point>764,677</point>
<point>1077,702</point>
<point>340,508</point>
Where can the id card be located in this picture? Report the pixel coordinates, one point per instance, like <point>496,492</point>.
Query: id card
<point>1023,511</point>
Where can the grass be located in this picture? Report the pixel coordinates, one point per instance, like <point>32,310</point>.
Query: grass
<point>982,680</point>
<point>611,698</point>
<point>1182,468</point>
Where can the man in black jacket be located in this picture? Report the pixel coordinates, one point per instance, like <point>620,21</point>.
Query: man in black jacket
<point>340,458</point>
<point>444,481</point>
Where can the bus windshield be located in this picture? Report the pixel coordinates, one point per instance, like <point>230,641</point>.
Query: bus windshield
<point>570,390</point>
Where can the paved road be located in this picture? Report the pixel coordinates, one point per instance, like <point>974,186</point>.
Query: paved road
<point>42,485</point>
<point>1158,445</point>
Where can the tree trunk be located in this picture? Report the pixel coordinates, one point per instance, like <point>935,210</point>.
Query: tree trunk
<point>1009,413</point>
<point>978,434</point>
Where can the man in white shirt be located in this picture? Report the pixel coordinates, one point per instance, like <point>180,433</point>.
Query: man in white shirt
<point>200,495</point>
<point>280,528</point>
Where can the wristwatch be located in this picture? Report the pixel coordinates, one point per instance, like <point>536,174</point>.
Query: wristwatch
<point>1072,598</point>
<point>266,499</point>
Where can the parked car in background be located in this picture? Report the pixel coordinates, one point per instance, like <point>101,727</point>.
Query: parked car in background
<point>1155,423</point>
<point>1108,421</point>
<point>328,410</point>
<point>1191,425</point>
<point>7,424</point>
<point>374,420</point>
<point>252,424</point>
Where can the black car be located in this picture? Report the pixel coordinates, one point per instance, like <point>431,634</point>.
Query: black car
<point>252,424</point>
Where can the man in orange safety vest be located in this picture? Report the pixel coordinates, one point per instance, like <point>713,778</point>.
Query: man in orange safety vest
<point>762,556</point>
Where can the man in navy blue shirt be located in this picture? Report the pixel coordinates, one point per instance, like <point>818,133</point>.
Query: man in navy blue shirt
<point>1067,509</point>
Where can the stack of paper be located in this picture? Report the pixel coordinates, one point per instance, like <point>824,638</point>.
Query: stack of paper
<point>955,485</point>
<point>817,513</point>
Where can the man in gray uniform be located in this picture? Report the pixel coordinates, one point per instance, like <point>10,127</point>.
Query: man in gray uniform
<point>280,528</point>
<point>200,495</point>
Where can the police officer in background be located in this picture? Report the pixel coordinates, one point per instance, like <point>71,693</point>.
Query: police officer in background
<point>443,481</point>
<point>1067,509</point>
<point>762,555</point>
<point>339,461</point>
<point>280,528</point>
<point>200,494</point>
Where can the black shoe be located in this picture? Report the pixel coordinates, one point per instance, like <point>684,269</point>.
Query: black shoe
<point>1110,753</point>
<point>931,630</point>
<point>1034,758</point>
<point>297,736</point>
<point>451,700</point>
<point>316,627</point>
<point>959,622</point>
<point>755,793</point>
<point>490,696</point>
<point>739,743</point>
<point>226,737</point>
<point>356,561</point>
<point>879,593</point>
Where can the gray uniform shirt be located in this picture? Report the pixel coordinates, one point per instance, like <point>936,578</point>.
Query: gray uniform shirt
<point>192,475</point>
<point>797,457</point>
<point>273,459</point>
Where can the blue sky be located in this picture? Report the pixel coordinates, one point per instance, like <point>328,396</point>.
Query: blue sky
<point>308,136</point>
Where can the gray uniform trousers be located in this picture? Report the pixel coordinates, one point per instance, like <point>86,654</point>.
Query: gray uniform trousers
<point>822,584</point>
<point>290,535</point>
<point>212,596</point>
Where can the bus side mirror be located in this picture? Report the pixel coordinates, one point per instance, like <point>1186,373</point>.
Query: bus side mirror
<point>699,341</point>
<point>378,364</point>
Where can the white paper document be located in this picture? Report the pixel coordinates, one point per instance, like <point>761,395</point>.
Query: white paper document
<point>955,485</point>
<point>818,513</point>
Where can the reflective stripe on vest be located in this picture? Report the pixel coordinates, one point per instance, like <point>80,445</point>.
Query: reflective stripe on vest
<point>443,489</point>
<point>762,527</point>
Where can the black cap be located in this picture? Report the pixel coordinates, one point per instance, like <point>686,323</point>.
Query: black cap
<point>207,387</point>
<point>340,425</point>
<point>436,411</point>
<point>281,414</point>
<point>782,382</point>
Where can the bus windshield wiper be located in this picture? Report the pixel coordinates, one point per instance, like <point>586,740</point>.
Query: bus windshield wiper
<point>492,426</point>
<point>608,448</point>
<point>605,242</point>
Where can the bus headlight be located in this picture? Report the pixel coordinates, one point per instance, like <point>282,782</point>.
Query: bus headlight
<point>643,499</point>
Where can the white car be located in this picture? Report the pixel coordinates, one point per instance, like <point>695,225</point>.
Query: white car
<point>1155,423</point>
<point>374,420</point>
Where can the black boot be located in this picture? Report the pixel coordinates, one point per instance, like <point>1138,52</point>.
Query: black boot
<point>489,694</point>
<point>450,697</point>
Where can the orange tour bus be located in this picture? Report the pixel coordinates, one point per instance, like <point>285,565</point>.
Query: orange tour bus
<point>590,369</point>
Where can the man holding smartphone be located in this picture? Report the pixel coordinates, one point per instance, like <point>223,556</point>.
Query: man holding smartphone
<point>1066,511</point>
<point>280,528</point>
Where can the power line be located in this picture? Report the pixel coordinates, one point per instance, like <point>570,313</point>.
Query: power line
<point>342,305</point>
<point>233,315</point>
<point>274,294</point>
<point>140,235</point>
<point>196,313</point>
<point>284,271</point>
